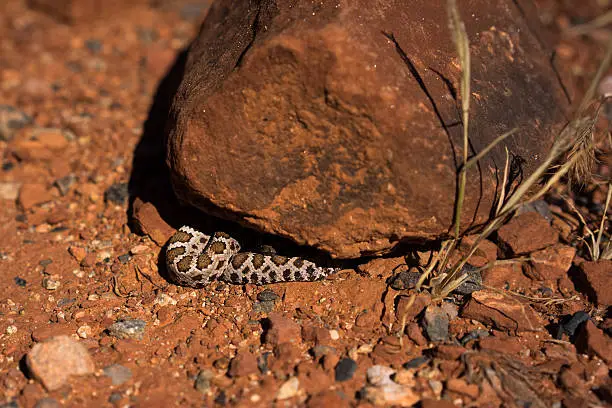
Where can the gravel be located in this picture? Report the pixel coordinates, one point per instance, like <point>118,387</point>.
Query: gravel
<point>128,329</point>
<point>345,369</point>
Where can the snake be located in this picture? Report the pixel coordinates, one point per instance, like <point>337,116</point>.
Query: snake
<point>196,259</point>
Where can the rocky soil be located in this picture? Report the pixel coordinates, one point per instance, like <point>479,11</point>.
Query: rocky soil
<point>88,317</point>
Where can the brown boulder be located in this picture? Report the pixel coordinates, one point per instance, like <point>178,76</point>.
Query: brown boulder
<point>305,120</point>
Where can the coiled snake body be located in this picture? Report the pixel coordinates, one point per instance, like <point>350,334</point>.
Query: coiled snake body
<point>196,259</point>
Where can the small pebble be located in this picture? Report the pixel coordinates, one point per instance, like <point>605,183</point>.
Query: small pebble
<point>474,335</point>
<point>267,295</point>
<point>139,249</point>
<point>416,362</point>
<point>334,334</point>
<point>262,362</point>
<point>47,403</point>
<point>51,282</point>
<point>64,184</point>
<point>118,374</point>
<point>289,389</point>
<point>117,193</point>
<point>84,331</point>
<point>125,258</point>
<point>320,350</point>
<point>20,281</point>
<point>11,120</point>
<point>202,382</point>
<point>93,45</point>
<point>221,399</point>
<point>436,323</point>
<point>405,280</point>
<point>263,307</point>
<point>115,397</point>
<point>345,369</point>
<point>9,190</point>
<point>473,282</point>
<point>128,329</point>
<point>11,329</point>
<point>45,262</point>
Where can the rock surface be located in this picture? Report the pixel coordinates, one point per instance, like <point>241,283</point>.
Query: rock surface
<point>597,276</point>
<point>502,312</point>
<point>53,361</point>
<point>306,120</point>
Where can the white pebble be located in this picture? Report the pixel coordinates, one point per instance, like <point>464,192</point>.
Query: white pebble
<point>84,331</point>
<point>11,329</point>
<point>288,389</point>
<point>334,334</point>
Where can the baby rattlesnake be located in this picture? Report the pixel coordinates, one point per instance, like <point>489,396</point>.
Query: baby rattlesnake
<point>196,259</point>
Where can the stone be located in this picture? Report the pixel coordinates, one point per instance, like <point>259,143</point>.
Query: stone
<point>502,312</point>
<point>267,295</point>
<point>551,263</point>
<point>117,193</point>
<point>33,194</point>
<point>421,301</point>
<point>288,389</point>
<point>53,361</point>
<point>9,190</point>
<point>332,141</point>
<point>413,330</point>
<point>118,374</point>
<point>461,386</point>
<point>345,369</point>
<point>148,221</point>
<point>484,254</point>
<point>243,364</point>
<point>472,283</point>
<point>436,322</point>
<point>527,232</point>
<point>203,381</point>
<point>53,139</point>
<point>47,403</point>
<point>383,391</point>
<point>128,329</point>
<point>596,277</point>
<point>569,326</point>
<point>77,11</point>
<point>282,330</point>
<point>593,341</point>
<point>11,120</point>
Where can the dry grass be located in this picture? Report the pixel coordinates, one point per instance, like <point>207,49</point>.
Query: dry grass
<point>575,144</point>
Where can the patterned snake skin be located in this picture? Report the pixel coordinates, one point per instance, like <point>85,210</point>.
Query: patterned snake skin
<point>196,259</point>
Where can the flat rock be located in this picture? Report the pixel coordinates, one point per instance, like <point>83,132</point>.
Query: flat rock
<point>305,120</point>
<point>53,361</point>
<point>526,233</point>
<point>551,263</point>
<point>282,330</point>
<point>502,312</point>
<point>597,277</point>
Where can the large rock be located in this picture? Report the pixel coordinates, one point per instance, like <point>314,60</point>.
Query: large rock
<point>304,119</point>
